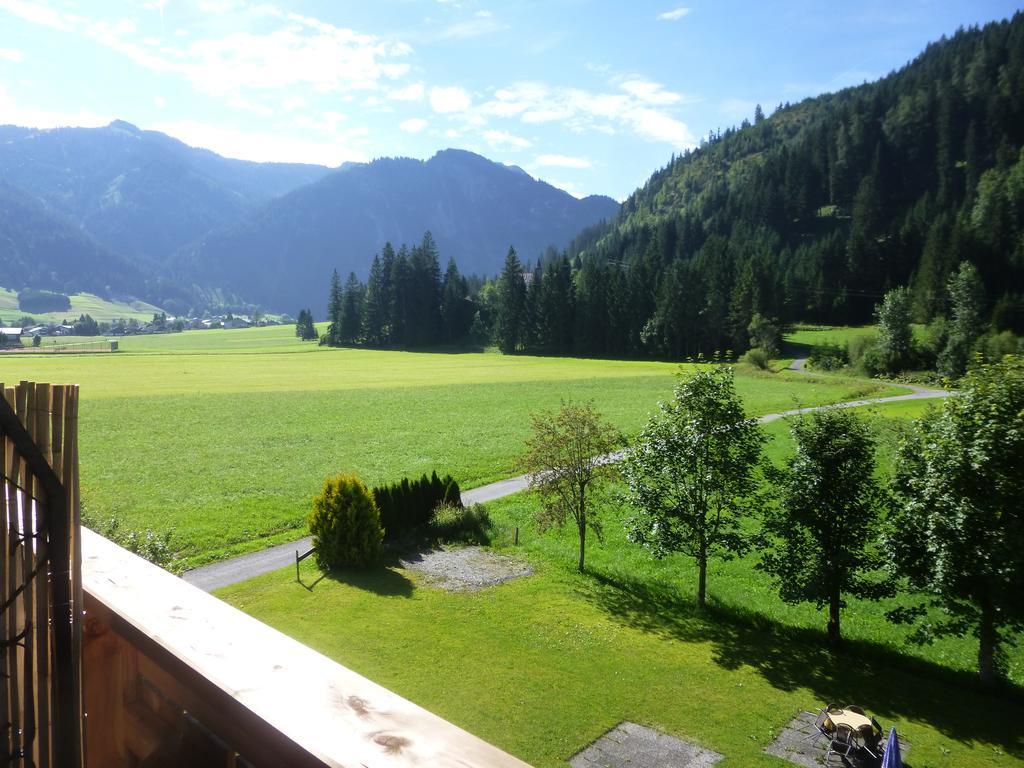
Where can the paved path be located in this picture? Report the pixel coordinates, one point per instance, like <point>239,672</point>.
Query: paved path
<point>244,567</point>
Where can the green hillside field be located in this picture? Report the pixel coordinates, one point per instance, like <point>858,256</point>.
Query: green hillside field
<point>222,437</point>
<point>101,310</point>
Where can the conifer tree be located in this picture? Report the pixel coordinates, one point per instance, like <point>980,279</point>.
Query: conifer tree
<point>349,324</point>
<point>511,304</point>
<point>334,306</point>
<point>375,306</point>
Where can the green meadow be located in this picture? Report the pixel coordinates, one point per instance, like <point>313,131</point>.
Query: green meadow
<point>222,437</point>
<point>543,665</point>
<point>101,310</point>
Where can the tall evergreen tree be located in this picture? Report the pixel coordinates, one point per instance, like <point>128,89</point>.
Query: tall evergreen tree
<point>456,308</point>
<point>375,305</point>
<point>349,324</point>
<point>510,305</point>
<point>334,304</point>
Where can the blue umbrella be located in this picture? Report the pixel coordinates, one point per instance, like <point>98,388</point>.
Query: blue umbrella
<point>892,757</point>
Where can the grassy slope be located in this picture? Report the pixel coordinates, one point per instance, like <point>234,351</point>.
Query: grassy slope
<point>542,666</point>
<point>222,437</point>
<point>81,304</point>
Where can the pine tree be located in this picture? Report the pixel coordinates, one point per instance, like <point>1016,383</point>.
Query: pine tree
<point>456,309</point>
<point>334,306</point>
<point>375,306</point>
<point>511,304</point>
<point>349,324</point>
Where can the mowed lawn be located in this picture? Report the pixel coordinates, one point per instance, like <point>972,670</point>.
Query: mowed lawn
<point>543,665</point>
<point>222,437</point>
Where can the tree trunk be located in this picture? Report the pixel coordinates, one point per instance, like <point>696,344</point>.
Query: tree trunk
<point>582,520</point>
<point>834,636</point>
<point>988,640</point>
<point>702,578</point>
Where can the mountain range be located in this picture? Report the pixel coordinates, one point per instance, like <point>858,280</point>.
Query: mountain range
<point>119,210</point>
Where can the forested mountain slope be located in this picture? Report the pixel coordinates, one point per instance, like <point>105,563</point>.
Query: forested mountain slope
<point>812,213</point>
<point>141,194</point>
<point>282,255</point>
<point>39,248</point>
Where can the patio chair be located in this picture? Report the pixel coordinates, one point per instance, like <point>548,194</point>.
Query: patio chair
<point>844,742</point>
<point>822,726</point>
<point>855,708</point>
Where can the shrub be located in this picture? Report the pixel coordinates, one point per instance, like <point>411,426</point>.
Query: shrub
<point>464,525</point>
<point>756,357</point>
<point>827,357</point>
<point>408,506</point>
<point>147,544</point>
<point>345,524</point>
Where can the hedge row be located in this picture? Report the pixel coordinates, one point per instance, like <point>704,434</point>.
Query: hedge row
<point>408,506</point>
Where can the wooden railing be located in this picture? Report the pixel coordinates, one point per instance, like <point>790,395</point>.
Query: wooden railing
<point>160,673</point>
<point>40,589</point>
<point>174,676</point>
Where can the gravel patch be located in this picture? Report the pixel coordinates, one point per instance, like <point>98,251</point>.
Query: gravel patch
<point>465,569</point>
<point>629,745</point>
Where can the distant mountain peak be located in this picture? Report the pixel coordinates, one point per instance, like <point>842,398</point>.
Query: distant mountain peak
<point>124,125</point>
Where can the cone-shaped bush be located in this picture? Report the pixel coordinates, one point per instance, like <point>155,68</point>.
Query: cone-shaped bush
<point>345,524</point>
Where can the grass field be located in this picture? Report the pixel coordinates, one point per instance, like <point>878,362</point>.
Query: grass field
<point>544,665</point>
<point>81,304</point>
<point>222,437</point>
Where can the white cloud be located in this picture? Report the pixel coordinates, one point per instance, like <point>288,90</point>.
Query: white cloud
<point>567,186</point>
<point>675,15</point>
<point>500,139</point>
<point>35,117</point>
<point>263,146</point>
<point>413,125</point>
<point>300,51</point>
<point>411,92</point>
<point>658,126</point>
<point>159,102</point>
<point>450,99</point>
<point>649,92</point>
<point>482,23</point>
<point>12,55</point>
<point>638,106</point>
<point>562,161</point>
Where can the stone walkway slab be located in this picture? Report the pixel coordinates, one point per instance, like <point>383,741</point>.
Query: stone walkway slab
<point>629,745</point>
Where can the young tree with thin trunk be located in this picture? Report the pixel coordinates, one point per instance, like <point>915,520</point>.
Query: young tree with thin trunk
<point>822,540</point>
<point>564,460</point>
<point>691,472</point>
<point>958,534</point>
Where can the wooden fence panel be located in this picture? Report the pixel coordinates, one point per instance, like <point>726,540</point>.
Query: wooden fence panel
<point>40,587</point>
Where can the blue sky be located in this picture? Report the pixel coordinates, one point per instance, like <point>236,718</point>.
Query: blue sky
<point>591,96</point>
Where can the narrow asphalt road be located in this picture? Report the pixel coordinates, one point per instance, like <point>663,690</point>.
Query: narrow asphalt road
<point>236,569</point>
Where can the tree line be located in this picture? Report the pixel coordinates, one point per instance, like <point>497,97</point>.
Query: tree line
<point>945,531</point>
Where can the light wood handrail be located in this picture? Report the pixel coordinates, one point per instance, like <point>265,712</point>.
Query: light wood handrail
<point>274,700</point>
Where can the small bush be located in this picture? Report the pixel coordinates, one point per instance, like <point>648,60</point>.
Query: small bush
<point>464,525</point>
<point>147,544</point>
<point>408,506</point>
<point>345,524</point>
<point>756,357</point>
<point>828,357</point>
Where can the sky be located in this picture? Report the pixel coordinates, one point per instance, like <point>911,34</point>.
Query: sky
<point>589,95</point>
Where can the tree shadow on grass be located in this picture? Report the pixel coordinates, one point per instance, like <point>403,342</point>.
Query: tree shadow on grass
<point>889,684</point>
<point>383,580</point>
